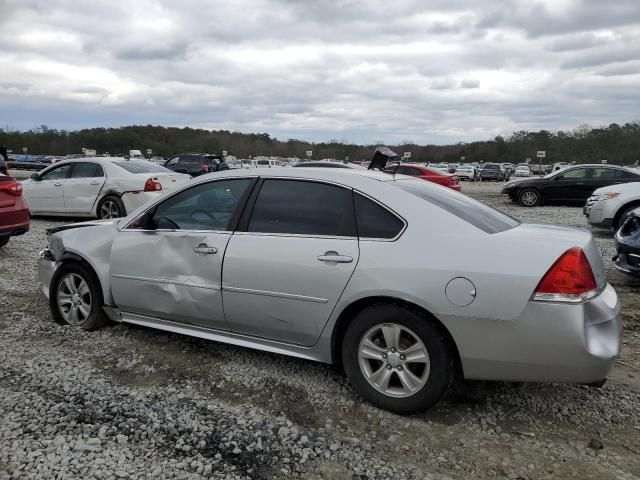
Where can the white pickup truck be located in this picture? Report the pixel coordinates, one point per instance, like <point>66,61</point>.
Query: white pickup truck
<point>609,207</point>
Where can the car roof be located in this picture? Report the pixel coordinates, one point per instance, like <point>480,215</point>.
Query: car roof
<point>312,173</point>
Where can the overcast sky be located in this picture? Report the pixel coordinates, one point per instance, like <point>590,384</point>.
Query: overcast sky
<point>437,71</point>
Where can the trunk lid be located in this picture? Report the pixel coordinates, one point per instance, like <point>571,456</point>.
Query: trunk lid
<point>168,180</point>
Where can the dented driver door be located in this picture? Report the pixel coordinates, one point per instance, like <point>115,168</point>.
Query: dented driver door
<point>173,270</point>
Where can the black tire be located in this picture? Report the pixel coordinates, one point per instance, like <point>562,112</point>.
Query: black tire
<point>110,206</point>
<point>620,219</point>
<point>441,360</point>
<point>4,241</point>
<point>96,318</point>
<point>529,197</point>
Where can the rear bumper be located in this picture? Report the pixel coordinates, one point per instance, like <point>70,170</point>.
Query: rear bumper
<point>15,219</point>
<point>548,342</point>
<point>134,200</point>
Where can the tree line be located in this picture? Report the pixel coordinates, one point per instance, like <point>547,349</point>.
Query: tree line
<point>618,144</point>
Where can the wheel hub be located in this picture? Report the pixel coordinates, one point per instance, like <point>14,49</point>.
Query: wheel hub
<point>393,359</point>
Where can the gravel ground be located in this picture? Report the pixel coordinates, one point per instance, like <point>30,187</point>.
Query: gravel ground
<point>128,402</point>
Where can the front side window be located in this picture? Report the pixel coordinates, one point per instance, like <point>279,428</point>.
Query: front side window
<point>208,206</point>
<point>57,173</point>
<point>575,174</point>
<point>303,208</point>
<point>375,221</point>
<point>173,162</point>
<point>86,170</point>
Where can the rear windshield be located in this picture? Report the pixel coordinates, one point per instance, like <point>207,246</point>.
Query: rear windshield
<point>471,211</point>
<point>491,167</point>
<point>140,166</point>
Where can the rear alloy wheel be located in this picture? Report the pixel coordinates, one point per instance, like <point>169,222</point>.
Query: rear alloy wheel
<point>529,197</point>
<point>623,216</point>
<point>75,298</point>
<point>110,207</point>
<point>397,359</point>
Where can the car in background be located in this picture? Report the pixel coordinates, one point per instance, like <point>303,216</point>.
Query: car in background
<point>493,171</point>
<point>467,172</point>
<point>507,167</point>
<point>269,163</point>
<point>196,164</point>
<point>522,171</point>
<point>572,185</point>
<point>333,268</point>
<point>609,207</point>
<point>328,164</point>
<point>441,167</point>
<point>627,243</point>
<point>14,212</point>
<point>102,187</point>
<point>426,173</point>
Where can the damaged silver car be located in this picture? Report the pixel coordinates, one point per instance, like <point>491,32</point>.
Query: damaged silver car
<point>346,266</point>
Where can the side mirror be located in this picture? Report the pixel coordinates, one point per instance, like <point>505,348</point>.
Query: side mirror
<point>35,176</point>
<point>143,222</point>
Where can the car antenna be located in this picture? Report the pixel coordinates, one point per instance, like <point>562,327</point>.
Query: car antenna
<point>380,158</point>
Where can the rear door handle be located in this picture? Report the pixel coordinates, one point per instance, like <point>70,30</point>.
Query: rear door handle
<point>57,184</point>
<point>335,257</point>
<point>94,183</point>
<point>204,249</point>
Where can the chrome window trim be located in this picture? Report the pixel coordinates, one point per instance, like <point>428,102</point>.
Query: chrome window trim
<point>294,235</point>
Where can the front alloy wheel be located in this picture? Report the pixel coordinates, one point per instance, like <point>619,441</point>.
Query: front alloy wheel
<point>74,299</point>
<point>529,198</point>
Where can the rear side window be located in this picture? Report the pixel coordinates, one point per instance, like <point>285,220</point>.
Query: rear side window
<point>86,170</point>
<point>303,208</point>
<point>375,221</point>
<point>140,166</point>
<point>471,211</point>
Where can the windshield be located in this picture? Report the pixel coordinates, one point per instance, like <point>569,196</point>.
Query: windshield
<point>466,208</point>
<point>140,166</point>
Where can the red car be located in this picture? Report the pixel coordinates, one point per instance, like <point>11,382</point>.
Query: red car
<point>14,213</point>
<point>426,173</point>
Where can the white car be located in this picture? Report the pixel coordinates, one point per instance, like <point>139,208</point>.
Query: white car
<point>609,207</point>
<point>102,187</point>
<point>522,171</point>
<point>466,173</point>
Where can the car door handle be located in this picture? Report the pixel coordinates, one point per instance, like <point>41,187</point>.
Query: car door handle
<point>94,183</point>
<point>204,249</point>
<point>57,184</point>
<point>335,257</point>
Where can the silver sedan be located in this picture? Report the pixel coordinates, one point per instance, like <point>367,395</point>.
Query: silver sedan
<point>347,266</point>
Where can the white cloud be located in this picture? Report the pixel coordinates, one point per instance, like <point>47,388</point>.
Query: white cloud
<point>445,71</point>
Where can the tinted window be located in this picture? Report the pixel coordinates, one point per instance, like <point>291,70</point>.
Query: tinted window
<point>209,206</point>
<point>412,171</point>
<point>625,174</point>
<point>307,208</point>
<point>57,173</point>
<point>492,167</point>
<point>575,174</point>
<point>140,166</point>
<point>472,211</point>
<point>173,161</point>
<point>375,221</point>
<point>86,170</point>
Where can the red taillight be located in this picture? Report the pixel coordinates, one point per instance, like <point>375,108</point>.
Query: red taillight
<point>570,279</point>
<point>454,180</point>
<point>14,188</point>
<point>152,186</point>
<point>205,167</point>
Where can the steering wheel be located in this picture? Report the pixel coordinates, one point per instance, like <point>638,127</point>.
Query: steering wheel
<point>203,211</point>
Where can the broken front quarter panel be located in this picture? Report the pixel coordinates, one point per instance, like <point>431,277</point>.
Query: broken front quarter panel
<point>92,242</point>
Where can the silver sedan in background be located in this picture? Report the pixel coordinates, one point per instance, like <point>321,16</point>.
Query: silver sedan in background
<point>346,266</point>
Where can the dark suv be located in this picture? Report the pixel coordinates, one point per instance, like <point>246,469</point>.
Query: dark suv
<point>493,171</point>
<point>196,164</point>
